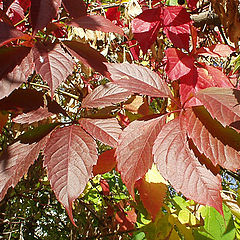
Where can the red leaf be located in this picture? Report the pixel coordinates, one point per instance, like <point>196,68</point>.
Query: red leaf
<point>18,75</point>
<point>211,138</point>
<point>126,220</point>
<point>113,14</point>
<point>105,163</point>
<point>75,8</point>
<point>105,130</point>
<point>145,27</point>
<point>218,50</point>
<point>105,187</point>
<point>87,56</point>
<point>53,64</point>
<point>134,152</point>
<point>176,22</point>
<point>178,63</point>
<point>33,116</point>
<point>222,104</point>
<point>138,79</point>
<point>70,154</point>
<point>42,12</point>
<point>105,95</point>
<point>96,22</point>
<point>9,33</point>
<point>14,163</point>
<point>177,163</point>
<point>3,120</point>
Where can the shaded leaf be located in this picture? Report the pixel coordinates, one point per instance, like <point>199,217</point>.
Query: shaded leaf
<point>220,145</point>
<point>145,27</point>
<point>105,163</point>
<point>15,161</point>
<point>42,12</point>
<point>75,8</point>
<point>96,22</point>
<point>3,120</point>
<point>88,56</point>
<point>176,21</point>
<point>177,163</point>
<point>105,95</point>
<point>134,151</point>
<point>53,64</point>
<point>104,130</point>
<point>70,154</point>
<point>222,104</point>
<point>138,79</point>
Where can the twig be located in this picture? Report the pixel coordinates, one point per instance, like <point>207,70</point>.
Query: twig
<point>107,6</point>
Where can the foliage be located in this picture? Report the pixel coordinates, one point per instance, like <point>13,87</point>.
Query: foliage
<point>122,114</point>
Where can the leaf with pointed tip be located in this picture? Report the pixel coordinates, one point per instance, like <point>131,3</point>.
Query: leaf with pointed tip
<point>70,154</point>
<point>134,151</point>
<point>145,27</point>
<point>138,79</point>
<point>42,12</point>
<point>9,33</point>
<point>177,163</point>
<point>105,95</point>
<point>217,50</point>
<point>88,56</point>
<point>75,8</point>
<point>33,116</point>
<point>176,21</point>
<point>223,104</point>
<point>53,64</point>
<point>220,145</point>
<point>178,63</point>
<point>96,23</point>
<point>104,130</point>
<point>17,76</point>
<point>15,161</point>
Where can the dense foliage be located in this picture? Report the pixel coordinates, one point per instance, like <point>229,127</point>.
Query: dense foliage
<point>119,120</point>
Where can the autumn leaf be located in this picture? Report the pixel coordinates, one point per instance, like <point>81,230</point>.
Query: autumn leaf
<point>105,130</point>
<point>177,163</point>
<point>70,154</point>
<point>105,95</point>
<point>217,50</point>
<point>52,63</point>
<point>75,8</point>
<point>134,151</point>
<point>138,79</point>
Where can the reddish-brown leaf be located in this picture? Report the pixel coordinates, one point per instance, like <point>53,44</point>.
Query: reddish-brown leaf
<point>126,220</point>
<point>105,163</point>
<point>145,27</point>
<point>177,164</point>
<point>178,63</point>
<point>53,64</point>
<point>176,22</point>
<point>9,33</point>
<point>105,95</point>
<point>96,22</point>
<point>138,79</point>
<point>33,116</point>
<point>70,154</point>
<point>3,120</point>
<point>104,130</point>
<point>88,56</point>
<point>17,76</point>
<point>220,145</point>
<point>42,12</point>
<point>14,163</point>
<point>75,8</point>
<point>222,104</point>
<point>134,152</point>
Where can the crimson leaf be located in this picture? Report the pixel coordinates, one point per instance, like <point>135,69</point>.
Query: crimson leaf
<point>75,8</point>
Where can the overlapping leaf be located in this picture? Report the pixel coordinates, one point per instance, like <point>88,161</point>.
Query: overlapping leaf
<point>145,27</point>
<point>75,8</point>
<point>138,79</point>
<point>53,64</point>
<point>217,50</point>
<point>134,152</point>
<point>70,154</point>
<point>105,130</point>
<point>220,145</point>
<point>177,163</point>
<point>105,95</point>
<point>96,22</point>
<point>222,104</point>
